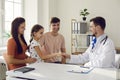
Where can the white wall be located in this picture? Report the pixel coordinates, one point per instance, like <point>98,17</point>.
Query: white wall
<point>52,8</point>
<point>47,9</point>
<point>70,9</point>
<point>44,10</point>
<point>31,16</point>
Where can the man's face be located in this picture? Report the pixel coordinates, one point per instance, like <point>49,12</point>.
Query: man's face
<point>55,27</point>
<point>93,28</point>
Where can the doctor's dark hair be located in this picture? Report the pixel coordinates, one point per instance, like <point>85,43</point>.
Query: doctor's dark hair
<point>54,20</point>
<point>35,28</point>
<point>14,32</point>
<point>99,21</point>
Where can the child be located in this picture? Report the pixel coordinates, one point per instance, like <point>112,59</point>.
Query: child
<point>35,47</point>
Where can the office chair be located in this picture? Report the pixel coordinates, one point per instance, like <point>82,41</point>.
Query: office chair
<point>6,60</point>
<point>117,61</point>
<point>3,68</point>
<point>2,71</point>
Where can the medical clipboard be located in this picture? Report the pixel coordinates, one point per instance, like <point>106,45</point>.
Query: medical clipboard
<point>24,69</point>
<point>82,70</point>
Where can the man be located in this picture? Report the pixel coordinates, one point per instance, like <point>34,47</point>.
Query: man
<point>53,41</point>
<point>101,52</point>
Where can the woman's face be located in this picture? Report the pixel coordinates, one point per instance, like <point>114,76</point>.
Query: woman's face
<point>21,28</point>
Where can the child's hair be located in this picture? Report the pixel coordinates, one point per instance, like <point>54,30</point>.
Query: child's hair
<point>35,28</point>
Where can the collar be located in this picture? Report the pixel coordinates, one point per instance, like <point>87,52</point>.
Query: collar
<point>100,38</point>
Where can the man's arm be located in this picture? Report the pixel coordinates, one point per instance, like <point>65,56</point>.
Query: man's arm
<point>63,50</point>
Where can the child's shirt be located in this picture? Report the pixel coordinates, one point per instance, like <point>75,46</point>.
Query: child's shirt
<point>33,52</point>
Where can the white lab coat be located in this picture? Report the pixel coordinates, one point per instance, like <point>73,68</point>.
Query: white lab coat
<point>102,55</point>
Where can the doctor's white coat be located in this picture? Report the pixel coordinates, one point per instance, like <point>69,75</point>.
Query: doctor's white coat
<point>102,55</point>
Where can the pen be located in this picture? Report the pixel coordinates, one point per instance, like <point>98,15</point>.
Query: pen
<point>74,71</point>
<point>85,67</point>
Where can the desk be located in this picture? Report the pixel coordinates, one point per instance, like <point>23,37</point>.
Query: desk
<point>51,71</point>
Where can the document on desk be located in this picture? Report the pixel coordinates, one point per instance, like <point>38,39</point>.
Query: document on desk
<point>82,70</point>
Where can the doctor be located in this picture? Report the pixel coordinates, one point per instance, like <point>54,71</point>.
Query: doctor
<point>101,52</point>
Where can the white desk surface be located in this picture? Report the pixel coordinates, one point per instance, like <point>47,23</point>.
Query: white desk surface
<point>51,71</point>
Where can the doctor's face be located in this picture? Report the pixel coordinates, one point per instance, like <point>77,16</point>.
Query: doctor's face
<point>93,28</point>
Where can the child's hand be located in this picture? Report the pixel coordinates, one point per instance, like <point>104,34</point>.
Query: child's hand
<point>58,54</point>
<point>65,55</point>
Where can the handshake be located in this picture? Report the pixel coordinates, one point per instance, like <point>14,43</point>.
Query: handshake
<point>64,55</point>
<point>61,56</point>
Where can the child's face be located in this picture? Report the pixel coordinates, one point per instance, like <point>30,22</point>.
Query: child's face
<point>39,34</point>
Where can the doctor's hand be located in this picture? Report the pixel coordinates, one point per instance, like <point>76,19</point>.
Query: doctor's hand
<point>65,55</point>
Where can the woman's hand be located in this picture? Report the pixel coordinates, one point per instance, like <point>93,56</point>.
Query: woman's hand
<point>30,60</point>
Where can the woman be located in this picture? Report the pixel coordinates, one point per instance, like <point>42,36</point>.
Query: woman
<point>17,46</point>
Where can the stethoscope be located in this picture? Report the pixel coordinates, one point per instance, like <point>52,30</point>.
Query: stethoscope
<point>103,40</point>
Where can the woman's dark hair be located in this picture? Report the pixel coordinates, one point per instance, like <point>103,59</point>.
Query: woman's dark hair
<point>99,21</point>
<point>35,28</point>
<point>54,20</point>
<point>14,32</point>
